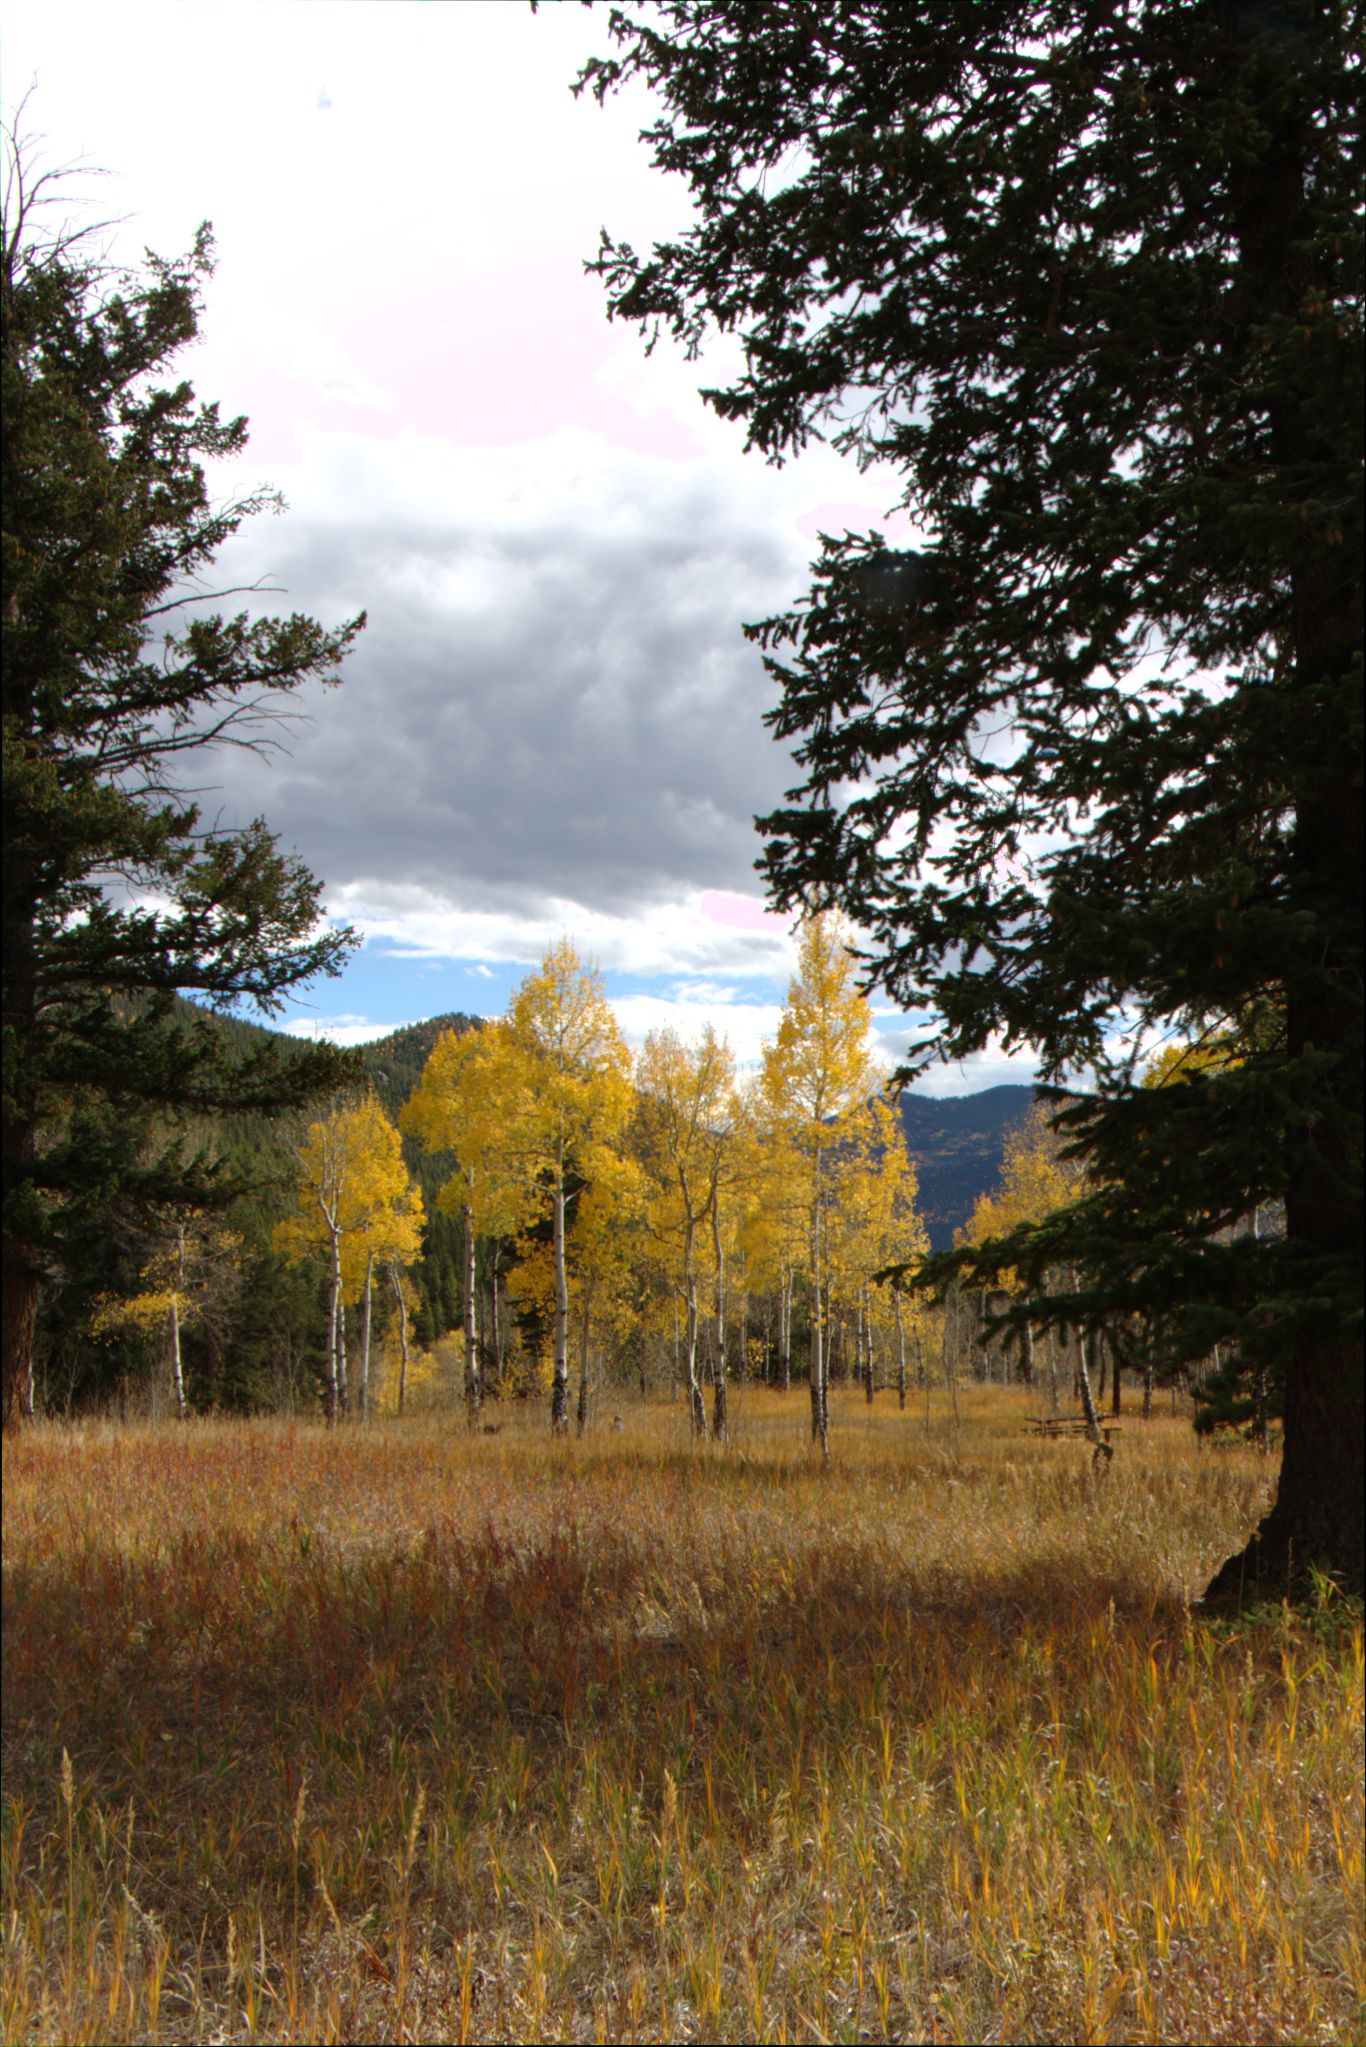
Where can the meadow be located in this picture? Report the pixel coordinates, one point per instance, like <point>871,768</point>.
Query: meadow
<point>398,1733</point>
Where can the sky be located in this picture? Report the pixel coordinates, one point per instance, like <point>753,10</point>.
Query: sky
<point>552,724</point>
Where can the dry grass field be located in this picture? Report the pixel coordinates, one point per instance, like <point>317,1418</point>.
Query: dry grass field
<point>398,1734</point>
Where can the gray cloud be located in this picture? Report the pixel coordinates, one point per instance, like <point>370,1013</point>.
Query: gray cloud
<point>555,705</point>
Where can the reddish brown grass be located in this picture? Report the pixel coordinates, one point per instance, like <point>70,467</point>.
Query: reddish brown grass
<point>397,1733</point>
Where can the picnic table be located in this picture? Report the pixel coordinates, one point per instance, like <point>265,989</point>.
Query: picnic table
<point>1068,1425</point>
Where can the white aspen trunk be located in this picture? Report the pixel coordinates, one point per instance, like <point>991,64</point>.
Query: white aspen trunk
<point>177,1371</point>
<point>497,1319</point>
<point>559,1397</point>
<point>343,1368</point>
<point>177,1375</point>
<point>1093,1429</point>
<point>820,1385</point>
<point>28,1396</point>
<point>720,1407</point>
<point>697,1409</point>
<point>900,1352</point>
<point>785,1326</point>
<point>866,1334</point>
<point>365,1335</point>
<point>474,1390</point>
<point>333,1306</point>
<point>1027,1353</point>
<point>581,1417</point>
<point>402,1335</point>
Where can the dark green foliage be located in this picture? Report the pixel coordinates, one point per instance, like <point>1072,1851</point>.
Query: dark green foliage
<point>117,896</point>
<point>958,1142</point>
<point>1090,280</point>
<point>263,1347</point>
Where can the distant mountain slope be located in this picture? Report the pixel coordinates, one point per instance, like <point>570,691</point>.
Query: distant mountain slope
<point>957,1142</point>
<point>395,1063</point>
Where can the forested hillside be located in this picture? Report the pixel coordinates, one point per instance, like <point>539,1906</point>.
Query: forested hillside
<point>957,1142</point>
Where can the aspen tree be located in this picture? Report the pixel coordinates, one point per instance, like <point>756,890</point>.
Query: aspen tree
<point>195,1264</point>
<point>683,1117</point>
<point>874,1223</point>
<point>818,1075</point>
<point>603,1243</point>
<point>466,1103</point>
<point>534,1101</point>
<point>388,1237</point>
<point>775,1224</point>
<point>355,1201</point>
<point>573,1073</point>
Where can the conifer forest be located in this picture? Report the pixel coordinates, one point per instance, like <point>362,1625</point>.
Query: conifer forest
<point>530,1528</point>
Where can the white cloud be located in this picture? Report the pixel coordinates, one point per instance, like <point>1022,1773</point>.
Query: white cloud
<point>746,1025</point>
<point>670,938</point>
<point>341,1030</point>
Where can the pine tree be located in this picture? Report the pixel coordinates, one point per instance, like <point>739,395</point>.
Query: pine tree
<point>108,524</point>
<point>1089,279</point>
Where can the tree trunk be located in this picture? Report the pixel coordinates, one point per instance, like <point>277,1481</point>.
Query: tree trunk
<point>697,1409</point>
<point>333,1311</point>
<point>1093,1430</point>
<point>343,1366</point>
<point>820,1406</point>
<point>474,1386</point>
<point>397,1278</point>
<point>581,1417</point>
<point>559,1396</point>
<point>366,1325</point>
<point>19,1309</point>
<point>177,1369</point>
<point>495,1318</point>
<point>20,1316</point>
<point>1027,1355</point>
<point>866,1326</point>
<point>1317,1521</point>
<point>785,1327</point>
<point>900,1352</point>
<point>719,1409</point>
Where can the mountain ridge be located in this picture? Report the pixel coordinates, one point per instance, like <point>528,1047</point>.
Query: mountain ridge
<point>958,1143</point>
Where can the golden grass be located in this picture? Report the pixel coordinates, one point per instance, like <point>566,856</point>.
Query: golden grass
<point>397,1733</point>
